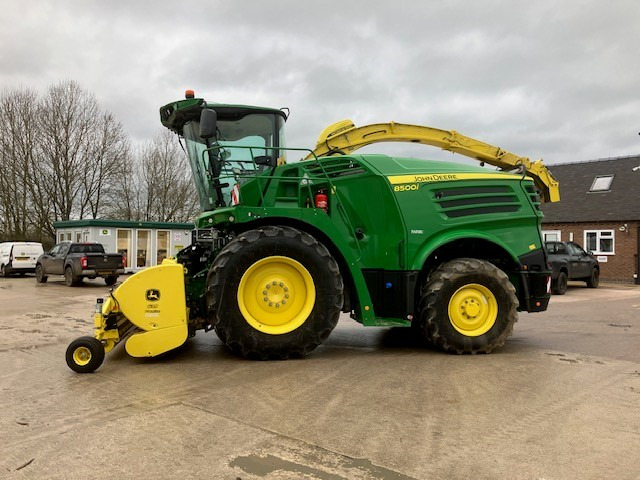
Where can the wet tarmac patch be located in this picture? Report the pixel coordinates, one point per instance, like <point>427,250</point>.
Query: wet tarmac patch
<point>263,466</point>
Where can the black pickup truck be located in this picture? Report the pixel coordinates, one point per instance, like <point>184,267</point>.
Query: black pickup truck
<point>79,260</point>
<point>570,262</point>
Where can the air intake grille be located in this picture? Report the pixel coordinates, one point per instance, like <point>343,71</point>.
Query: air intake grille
<point>467,201</point>
<point>533,195</point>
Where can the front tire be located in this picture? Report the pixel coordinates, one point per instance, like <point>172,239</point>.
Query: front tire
<point>274,293</point>
<point>3,271</point>
<point>40,276</point>
<point>85,354</point>
<point>559,287</point>
<point>467,306</point>
<point>594,279</point>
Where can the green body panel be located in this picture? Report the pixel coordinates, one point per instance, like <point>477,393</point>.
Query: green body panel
<point>398,229</point>
<point>386,216</point>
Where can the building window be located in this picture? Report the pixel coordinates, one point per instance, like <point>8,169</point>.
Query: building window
<point>68,236</point>
<point>78,237</point>
<point>125,245</point>
<point>143,248</point>
<point>552,235</point>
<point>599,241</point>
<point>162,245</point>
<point>602,183</point>
<point>60,237</point>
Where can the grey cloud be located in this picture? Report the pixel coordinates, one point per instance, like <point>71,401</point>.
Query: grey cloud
<point>543,79</point>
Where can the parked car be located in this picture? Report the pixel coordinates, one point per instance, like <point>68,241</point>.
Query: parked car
<point>570,262</point>
<point>79,260</point>
<point>19,257</point>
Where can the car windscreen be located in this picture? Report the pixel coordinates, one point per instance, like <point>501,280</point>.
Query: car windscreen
<point>87,248</point>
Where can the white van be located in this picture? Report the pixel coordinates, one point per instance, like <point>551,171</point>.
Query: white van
<point>19,257</point>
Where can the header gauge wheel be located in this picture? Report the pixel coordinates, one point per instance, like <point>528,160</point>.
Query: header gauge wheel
<point>85,354</point>
<point>274,293</point>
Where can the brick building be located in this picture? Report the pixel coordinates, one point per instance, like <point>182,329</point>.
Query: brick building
<point>599,209</point>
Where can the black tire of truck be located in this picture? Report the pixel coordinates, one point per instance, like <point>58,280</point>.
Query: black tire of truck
<point>594,280</point>
<point>40,276</point>
<point>110,280</point>
<point>559,285</point>
<point>70,279</point>
<point>239,259</point>
<point>443,286</point>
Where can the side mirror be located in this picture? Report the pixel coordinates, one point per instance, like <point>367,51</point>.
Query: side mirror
<point>208,121</point>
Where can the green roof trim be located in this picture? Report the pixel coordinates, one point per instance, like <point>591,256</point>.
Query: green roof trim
<point>96,222</point>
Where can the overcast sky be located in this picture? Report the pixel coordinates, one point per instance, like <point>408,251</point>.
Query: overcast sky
<point>556,80</point>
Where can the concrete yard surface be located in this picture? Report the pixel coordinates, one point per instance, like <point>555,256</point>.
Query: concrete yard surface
<point>560,401</point>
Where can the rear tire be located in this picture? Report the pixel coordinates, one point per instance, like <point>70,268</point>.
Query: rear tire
<point>304,294</point>
<point>110,280</point>
<point>467,306</point>
<point>69,278</point>
<point>559,287</point>
<point>40,276</point>
<point>85,354</point>
<point>594,279</point>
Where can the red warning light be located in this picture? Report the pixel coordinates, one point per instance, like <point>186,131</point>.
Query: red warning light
<point>189,94</point>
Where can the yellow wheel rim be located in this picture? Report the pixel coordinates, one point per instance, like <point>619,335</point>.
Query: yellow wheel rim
<point>276,295</point>
<point>82,356</point>
<point>473,310</point>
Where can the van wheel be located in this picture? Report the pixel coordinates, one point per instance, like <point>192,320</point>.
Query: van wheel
<point>3,271</point>
<point>40,276</point>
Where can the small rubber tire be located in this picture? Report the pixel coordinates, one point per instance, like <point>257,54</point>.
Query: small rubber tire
<point>110,280</point>
<point>594,280</point>
<point>69,279</point>
<point>239,256</point>
<point>442,285</point>
<point>559,286</point>
<point>40,276</point>
<point>85,354</point>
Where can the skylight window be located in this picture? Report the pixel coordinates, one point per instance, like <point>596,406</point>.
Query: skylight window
<point>602,183</point>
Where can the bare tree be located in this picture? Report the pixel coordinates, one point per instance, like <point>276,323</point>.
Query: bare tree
<point>62,157</point>
<point>108,153</point>
<point>18,141</point>
<point>159,185</point>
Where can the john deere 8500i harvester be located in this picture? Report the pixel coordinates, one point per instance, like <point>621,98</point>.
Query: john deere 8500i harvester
<point>281,248</point>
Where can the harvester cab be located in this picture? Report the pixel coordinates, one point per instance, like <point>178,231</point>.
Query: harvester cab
<point>227,145</point>
<point>281,249</point>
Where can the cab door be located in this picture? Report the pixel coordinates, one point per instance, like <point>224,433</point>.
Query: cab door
<point>46,259</point>
<point>55,262</point>
<point>580,262</point>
